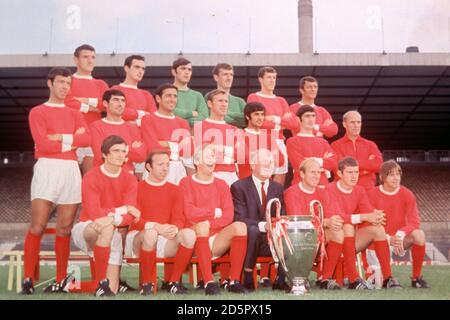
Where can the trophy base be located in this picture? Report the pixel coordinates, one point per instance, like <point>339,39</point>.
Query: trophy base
<point>300,287</point>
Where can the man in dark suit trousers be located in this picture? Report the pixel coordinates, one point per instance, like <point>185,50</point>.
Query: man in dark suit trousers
<point>250,197</point>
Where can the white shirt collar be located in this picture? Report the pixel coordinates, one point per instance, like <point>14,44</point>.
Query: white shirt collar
<point>194,177</point>
<point>78,76</point>
<point>113,122</point>
<point>128,86</point>
<point>215,121</point>
<point>387,192</point>
<point>251,131</point>
<point>303,104</point>
<point>259,182</point>
<point>266,95</point>
<point>54,105</point>
<point>300,185</point>
<point>164,116</point>
<point>338,184</point>
<point>106,173</point>
<point>155,184</point>
<point>308,135</point>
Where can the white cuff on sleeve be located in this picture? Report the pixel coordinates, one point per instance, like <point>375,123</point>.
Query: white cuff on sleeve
<point>261,226</point>
<point>84,108</point>
<point>149,225</point>
<point>93,102</point>
<point>316,127</point>
<point>66,147</point>
<point>67,139</point>
<point>400,234</point>
<point>121,210</point>
<point>356,218</point>
<point>173,150</point>
<point>217,213</point>
<point>141,113</point>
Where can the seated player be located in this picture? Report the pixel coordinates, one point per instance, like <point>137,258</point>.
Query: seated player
<point>403,221</point>
<point>209,210</point>
<point>109,202</point>
<point>159,233</point>
<point>362,224</point>
<point>298,198</point>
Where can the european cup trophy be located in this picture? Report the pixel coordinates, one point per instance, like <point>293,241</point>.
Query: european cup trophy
<point>294,243</point>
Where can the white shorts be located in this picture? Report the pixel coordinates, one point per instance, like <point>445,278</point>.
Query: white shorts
<point>211,241</point>
<point>282,148</point>
<point>229,177</point>
<point>56,180</point>
<point>129,248</point>
<point>115,257</point>
<point>84,152</point>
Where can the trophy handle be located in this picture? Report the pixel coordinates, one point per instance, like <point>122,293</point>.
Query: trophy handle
<point>318,223</point>
<point>275,239</point>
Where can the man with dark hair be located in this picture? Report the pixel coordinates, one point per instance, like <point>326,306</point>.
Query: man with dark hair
<point>139,102</point>
<point>191,105</point>
<point>325,126</point>
<point>277,116</point>
<point>223,74</point>
<point>169,131</point>
<point>365,151</point>
<point>306,145</point>
<point>114,103</point>
<point>85,95</point>
<point>57,132</point>
<point>403,221</point>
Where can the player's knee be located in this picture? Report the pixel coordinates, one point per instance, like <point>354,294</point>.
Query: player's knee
<point>188,238</point>
<point>202,229</point>
<point>240,228</point>
<point>349,230</point>
<point>337,236</point>
<point>106,235</point>
<point>37,229</point>
<point>64,231</point>
<point>418,236</point>
<point>150,238</point>
<point>379,232</point>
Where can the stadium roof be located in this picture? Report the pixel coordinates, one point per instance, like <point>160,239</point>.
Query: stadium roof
<point>404,98</point>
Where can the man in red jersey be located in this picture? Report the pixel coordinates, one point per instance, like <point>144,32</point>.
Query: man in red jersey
<point>160,232</point>
<point>325,126</point>
<point>403,221</point>
<point>57,132</point>
<point>364,151</point>
<point>298,198</point>
<point>363,225</point>
<point>163,129</point>
<point>86,95</point>
<point>109,202</point>
<point>114,103</point>
<point>209,210</point>
<point>277,117</point>
<point>306,145</point>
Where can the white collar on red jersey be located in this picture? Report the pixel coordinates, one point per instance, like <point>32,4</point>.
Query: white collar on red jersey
<point>200,181</point>
<point>155,184</point>
<point>251,131</point>
<point>303,104</point>
<point>307,135</point>
<point>54,105</point>
<point>387,192</point>
<point>78,76</point>
<point>215,121</point>
<point>113,122</point>
<point>300,185</point>
<point>338,184</point>
<point>111,175</point>
<point>128,86</point>
<point>273,96</point>
<point>164,116</point>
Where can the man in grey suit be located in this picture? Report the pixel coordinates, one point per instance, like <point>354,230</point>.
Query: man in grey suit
<point>250,197</point>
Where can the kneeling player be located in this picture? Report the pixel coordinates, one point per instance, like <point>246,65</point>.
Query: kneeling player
<point>208,207</point>
<point>109,201</point>
<point>159,232</point>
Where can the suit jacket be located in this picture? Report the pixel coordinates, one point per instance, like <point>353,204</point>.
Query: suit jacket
<point>247,205</point>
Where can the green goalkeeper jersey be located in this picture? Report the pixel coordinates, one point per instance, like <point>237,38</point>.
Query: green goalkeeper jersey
<point>235,114</point>
<point>188,101</point>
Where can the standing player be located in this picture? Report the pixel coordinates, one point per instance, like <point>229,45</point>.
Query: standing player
<point>168,131</point>
<point>109,202</point>
<point>190,103</point>
<point>139,102</point>
<point>362,224</point>
<point>364,151</point>
<point>86,95</point>
<point>325,126</point>
<point>57,132</point>
<point>298,198</point>
<point>403,221</point>
<point>208,208</point>
<point>223,74</point>
<point>277,117</point>
<point>159,232</point>
<point>114,103</point>
<point>306,145</point>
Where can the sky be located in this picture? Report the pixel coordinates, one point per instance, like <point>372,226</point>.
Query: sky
<point>221,26</point>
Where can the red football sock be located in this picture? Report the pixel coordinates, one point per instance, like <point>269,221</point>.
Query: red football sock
<point>62,251</point>
<point>101,257</point>
<point>147,261</point>
<point>203,253</point>
<point>182,259</point>
<point>334,251</point>
<point>418,255</point>
<point>349,252</point>
<point>92,266</point>
<point>85,287</point>
<point>238,250</point>
<point>168,269</point>
<point>32,248</point>
<point>384,257</point>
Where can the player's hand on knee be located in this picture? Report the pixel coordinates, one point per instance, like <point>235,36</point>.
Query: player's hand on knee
<point>134,212</point>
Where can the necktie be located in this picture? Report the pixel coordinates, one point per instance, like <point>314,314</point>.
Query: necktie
<point>263,199</point>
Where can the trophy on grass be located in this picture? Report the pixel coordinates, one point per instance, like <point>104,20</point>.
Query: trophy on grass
<point>294,243</point>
